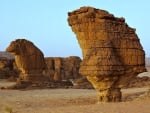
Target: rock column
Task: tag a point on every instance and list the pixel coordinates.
(29, 60)
(112, 53)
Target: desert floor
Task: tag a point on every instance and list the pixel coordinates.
(71, 101)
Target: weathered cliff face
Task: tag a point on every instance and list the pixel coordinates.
(112, 53)
(33, 66)
(29, 60)
(59, 69)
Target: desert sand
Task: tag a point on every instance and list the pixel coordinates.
(71, 101)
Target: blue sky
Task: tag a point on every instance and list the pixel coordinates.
(44, 22)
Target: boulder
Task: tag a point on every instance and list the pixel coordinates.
(112, 53)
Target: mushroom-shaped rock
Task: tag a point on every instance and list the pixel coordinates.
(112, 53)
(29, 60)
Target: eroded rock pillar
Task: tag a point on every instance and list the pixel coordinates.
(29, 60)
(112, 53)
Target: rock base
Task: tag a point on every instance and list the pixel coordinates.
(110, 95)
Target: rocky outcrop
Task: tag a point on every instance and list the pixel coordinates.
(139, 82)
(112, 53)
(29, 60)
(61, 69)
(7, 68)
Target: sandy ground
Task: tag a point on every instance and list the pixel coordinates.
(71, 101)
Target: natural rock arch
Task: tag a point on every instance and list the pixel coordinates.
(112, 53)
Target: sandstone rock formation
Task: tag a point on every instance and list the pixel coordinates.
(29, 60)
(59, 68)
(112, 53)
(6, 68)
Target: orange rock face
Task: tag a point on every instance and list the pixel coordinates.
(29, 60)
(112, 53)
(59, 68)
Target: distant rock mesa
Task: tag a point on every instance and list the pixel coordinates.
(112, 53)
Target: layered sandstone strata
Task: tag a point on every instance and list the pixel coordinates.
(59, 68)
(29, 60)
(112, 53)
